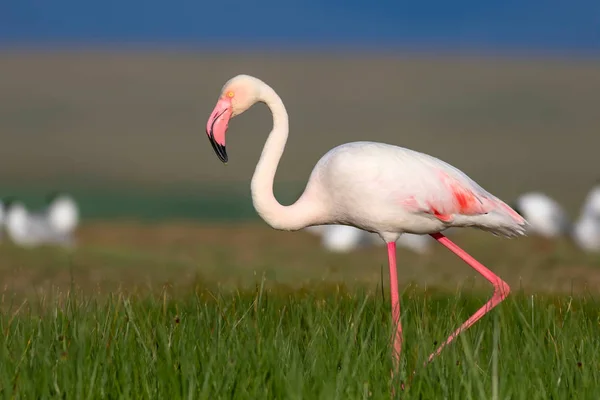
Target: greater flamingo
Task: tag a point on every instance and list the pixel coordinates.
(376, 187)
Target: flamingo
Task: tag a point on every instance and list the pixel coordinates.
(376, 187)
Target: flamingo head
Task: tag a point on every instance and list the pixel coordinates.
(237, 95)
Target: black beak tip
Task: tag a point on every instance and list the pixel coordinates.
(221, 152)
(224, 158)
(219, 149)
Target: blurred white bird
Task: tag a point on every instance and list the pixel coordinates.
(343, 239)
(54, 226)
(586, 229)
(62, 213)
(418, 243)
(591, 205)
(545, 216)
(25, 229)
(2, 215)
(549, 220)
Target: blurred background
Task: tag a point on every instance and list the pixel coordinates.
(113, 96)
(108, 101)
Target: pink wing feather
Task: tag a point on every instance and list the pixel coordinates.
(460, 195)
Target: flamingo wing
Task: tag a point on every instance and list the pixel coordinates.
(449, 192)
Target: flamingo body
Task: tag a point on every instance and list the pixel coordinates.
(391, 190)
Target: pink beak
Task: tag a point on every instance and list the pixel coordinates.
(216, 127)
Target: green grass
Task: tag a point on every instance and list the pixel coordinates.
(172, 311)
(315, 343)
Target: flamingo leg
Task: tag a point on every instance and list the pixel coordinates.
(395, 304)
(501, 289)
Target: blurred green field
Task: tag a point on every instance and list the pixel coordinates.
(145, 256)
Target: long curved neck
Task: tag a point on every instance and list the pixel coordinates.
(299, 214)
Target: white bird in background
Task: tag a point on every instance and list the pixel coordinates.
(586, 229)
(376, 187)
(591, 204)
(316, 229)
(54, 226)
(344, 238)
(2, 217)
(420, 244)
(546, 217)
(62, 213)
(25, 229)
(549, 220)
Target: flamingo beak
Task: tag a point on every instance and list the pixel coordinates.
(216, 127)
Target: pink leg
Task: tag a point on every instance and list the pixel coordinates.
(395, 303)
(501, 289)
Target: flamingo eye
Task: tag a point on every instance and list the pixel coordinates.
(230, 94)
